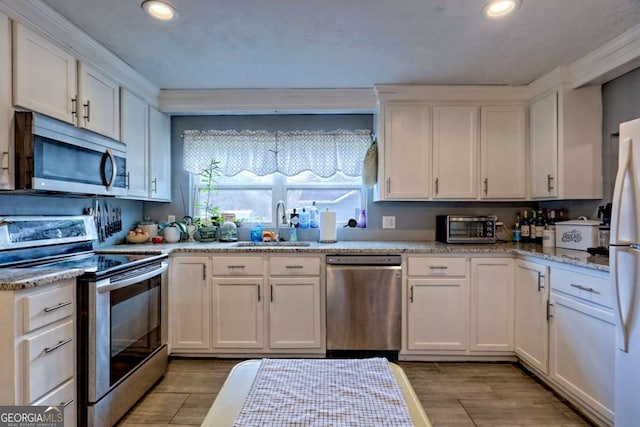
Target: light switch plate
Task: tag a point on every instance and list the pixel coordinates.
(388, 222)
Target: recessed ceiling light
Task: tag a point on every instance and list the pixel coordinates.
(159, 10)
(500, 8)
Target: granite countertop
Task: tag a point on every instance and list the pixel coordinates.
(15, 278)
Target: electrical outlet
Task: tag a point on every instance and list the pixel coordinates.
(388, 222)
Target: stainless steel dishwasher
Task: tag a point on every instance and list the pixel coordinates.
(363, 303)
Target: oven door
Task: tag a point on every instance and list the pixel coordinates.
(125, 326)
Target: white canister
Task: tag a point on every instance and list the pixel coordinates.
(548, 238)
(171, 234)
(149, 226)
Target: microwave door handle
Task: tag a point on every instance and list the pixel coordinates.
(112, 159)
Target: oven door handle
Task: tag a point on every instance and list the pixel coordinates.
(137, 279)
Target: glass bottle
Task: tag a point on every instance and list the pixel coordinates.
(313, 216)
(540, 226)
(362, 219)
(525, 227)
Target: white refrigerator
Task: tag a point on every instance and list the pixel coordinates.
(624, 256)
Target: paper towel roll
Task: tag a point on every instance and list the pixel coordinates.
(328, 229)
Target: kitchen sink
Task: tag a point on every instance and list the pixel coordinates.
(249, 244)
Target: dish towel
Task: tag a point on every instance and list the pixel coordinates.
(324, 392)
(370, 165)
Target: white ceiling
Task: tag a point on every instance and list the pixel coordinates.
(348, 43)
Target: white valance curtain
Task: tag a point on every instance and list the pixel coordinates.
(262, 152)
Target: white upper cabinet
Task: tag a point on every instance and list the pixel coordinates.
(6, 112)
(406, 144)
(44, 75)
(98, 102)
(544, 147)
(455, 147)
(565, 140)
(135, 135)
(503, 152)
(159, 155)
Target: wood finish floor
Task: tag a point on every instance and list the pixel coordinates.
(453, 394)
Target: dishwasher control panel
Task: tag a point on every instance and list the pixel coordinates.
(364, 259)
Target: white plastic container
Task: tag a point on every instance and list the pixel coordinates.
(578, 234)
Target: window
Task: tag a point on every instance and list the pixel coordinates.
(298, 176)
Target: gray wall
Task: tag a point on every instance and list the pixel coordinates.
(620, 103)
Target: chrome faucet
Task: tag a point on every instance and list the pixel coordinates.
(284, 217)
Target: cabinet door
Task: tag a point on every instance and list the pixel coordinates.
(455, 148)
(532, 296)
(502, 152)
(492, 304)
(159, 155)
(6, 113)
(44, 75)
(582, 343)
(99, 102)
(135, 135)
(437, 315)
(237, 310)
(189, 303)
(294, 312)
(543, 143)
(407, 152)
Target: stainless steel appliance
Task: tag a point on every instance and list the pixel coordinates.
(466, 229)
(55, 156)
(363, 303)
(121, 310)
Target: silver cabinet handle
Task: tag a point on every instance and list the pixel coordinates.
(438, 267)
(55, 307)
(271, 293)
(74, 105)
(154, 181)
(258, 285)
(437, 185)
(540, 282)
(486, 186)
(233, 267)
(549, 181)
(204, 271)
(584, 288)
(87, 109)
(388, 185)
(5, 155)
(67, 403)
(57, 346)
(294, 266)
(549, 315)
(411, 294)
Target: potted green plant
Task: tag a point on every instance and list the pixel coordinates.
(208, 223)
(172, 231)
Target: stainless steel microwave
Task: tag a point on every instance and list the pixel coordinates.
(466, 229)
(55, 156)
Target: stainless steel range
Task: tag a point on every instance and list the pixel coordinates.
(121, 333)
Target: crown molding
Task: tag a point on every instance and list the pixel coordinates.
(613, 59)
(267, 101)
(45, 20)
(453, 93)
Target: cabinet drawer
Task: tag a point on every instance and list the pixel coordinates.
(62, 396)
(237, 266)
(49, 360)
(591, 288)
(46, 307)
(294, 266)
(438, 267)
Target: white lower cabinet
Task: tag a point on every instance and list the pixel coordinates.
(582, 340)
(237, 305)
(437, 306)
(492, 305)
(38, 347)
(247, 304)
(189, 303)
(531, 326)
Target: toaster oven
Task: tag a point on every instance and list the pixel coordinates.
(466, 228)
